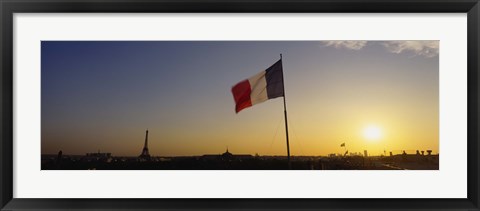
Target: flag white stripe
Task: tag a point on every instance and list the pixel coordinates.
(258, 86)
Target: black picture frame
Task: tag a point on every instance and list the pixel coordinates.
(9, 7)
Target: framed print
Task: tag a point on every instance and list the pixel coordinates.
(239, 105)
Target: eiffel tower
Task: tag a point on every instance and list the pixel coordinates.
(145, 155)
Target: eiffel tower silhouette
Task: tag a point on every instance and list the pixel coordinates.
(145, 154)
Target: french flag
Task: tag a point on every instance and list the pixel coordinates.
(265, 85)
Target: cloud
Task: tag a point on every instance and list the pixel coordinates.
(348, 44)
(426, 48)
(423, 48)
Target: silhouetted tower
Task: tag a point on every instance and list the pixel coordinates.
(59, 156)
(145, 153)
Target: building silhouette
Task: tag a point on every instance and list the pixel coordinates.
(99, 154)
(227, 156)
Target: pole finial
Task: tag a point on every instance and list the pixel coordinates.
(280, 56)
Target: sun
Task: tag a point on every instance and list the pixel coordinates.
(372, 133)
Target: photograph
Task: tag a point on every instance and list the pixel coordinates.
(240, 105)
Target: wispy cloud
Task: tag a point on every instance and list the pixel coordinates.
(418, 47)
(347, 44)
(427, 48)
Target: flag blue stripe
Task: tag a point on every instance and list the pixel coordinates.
(274, 78)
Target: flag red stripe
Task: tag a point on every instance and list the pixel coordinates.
(241, 94)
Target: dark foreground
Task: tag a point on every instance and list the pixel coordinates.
(395, 162)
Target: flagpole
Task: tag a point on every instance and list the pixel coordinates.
(285, 112)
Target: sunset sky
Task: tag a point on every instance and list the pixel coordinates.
(370, 95)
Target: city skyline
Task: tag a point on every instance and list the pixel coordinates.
(372, 95)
